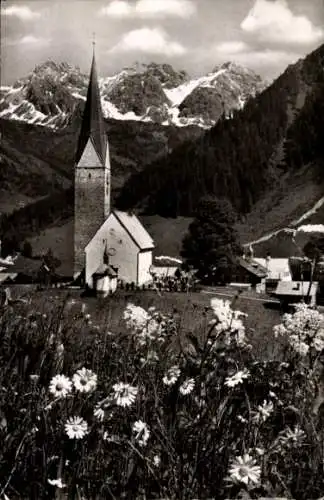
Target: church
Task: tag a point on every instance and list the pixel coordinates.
(106, 241)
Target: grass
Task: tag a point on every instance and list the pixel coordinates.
(197, 436)
(191, 310)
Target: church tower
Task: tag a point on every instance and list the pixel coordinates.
(91, 173)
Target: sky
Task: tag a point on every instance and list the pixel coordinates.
(194, 35)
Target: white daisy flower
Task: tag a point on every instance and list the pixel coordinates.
(244, 470)
(264, 411)
(156, 460)
(294, 435)
(99, 412)
(142, 432)
(171, 375)
(57, 482)
(125, 394)
(237, 378)
(60, 386)
(85, 380)
(187, 386)
(76, 427)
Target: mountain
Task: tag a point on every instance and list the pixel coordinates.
(256, 159)
(53, 94)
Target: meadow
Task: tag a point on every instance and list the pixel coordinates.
(146, 396)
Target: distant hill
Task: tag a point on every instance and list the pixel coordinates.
(266, 158)
(261, 150)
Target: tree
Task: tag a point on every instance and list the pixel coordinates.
(211, 244)
(27, 249)
(314, 250)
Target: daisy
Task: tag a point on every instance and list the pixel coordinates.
(85, 380)
(237, 378)
(244, 470)
(60, 386)
(142, 432)
(99, 412)
(294, 435)
(171, 375)
(57, 482)
(76, 427)
(125, 394)
(156, 460)
(187, 386)
(264, 411)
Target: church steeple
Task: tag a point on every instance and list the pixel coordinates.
(93, 127)
(92, 176)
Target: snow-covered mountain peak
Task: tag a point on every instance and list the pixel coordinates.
(54, 92)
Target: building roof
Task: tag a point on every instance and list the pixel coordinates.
(24, 265)
(135, 229)
(253, 267)
(278, 269)
(106, 269)
(296, 288)
(7, 277)
(166, 261)
(93, 126)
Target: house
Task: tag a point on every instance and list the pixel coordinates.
(21, 270)
(277, 270)
(164, 266)
(292, 292)
(97, 228)
(249, 271)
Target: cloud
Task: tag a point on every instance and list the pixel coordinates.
(29, 40)
(273, 22)
(176, 8)
(149, 9)
(149, 40)
(233, 47)
(252, 57)
(117, 8)
(21, 11)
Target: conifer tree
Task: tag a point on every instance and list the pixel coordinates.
(211, 244)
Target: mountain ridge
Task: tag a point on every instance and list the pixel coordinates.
(54, 92)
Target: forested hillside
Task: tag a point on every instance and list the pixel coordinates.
(280, 130)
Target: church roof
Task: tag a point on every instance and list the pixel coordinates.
(106, 269)
(135, 229)
(93, 126)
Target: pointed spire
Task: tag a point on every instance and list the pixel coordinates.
(93, 126)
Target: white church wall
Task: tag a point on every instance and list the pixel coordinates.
(113, 235)
(144, 263)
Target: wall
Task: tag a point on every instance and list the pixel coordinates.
(105, 286)
(114, 236)
(91, 201)
(144, 264)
